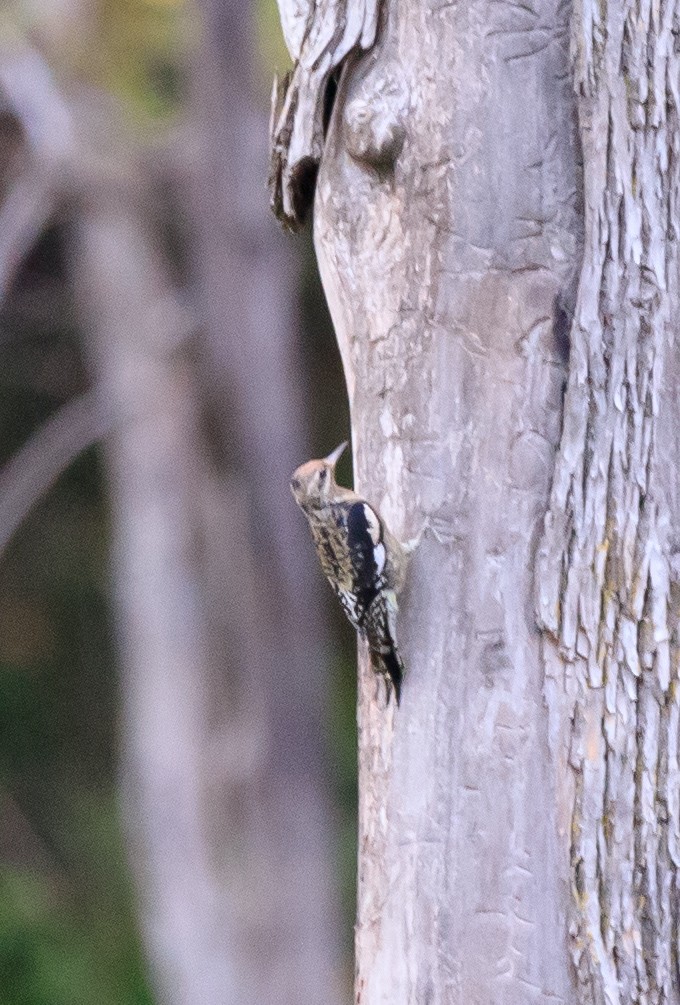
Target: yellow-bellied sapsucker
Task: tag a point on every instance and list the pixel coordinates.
(363, 562)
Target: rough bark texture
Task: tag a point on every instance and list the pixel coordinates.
(526, 799)
(447, 230)
(319, 36)
(608, 572)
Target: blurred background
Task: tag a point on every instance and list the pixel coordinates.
(177, 726)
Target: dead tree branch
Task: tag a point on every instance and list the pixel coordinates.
(30, 474)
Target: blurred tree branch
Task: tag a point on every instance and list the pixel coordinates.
(222, 640)
(251, 367)
(34, 177)
(29, 475)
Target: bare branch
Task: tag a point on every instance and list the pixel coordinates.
(35, 468)
(29, 93)
(23, 216)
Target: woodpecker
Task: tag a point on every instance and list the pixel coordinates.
(362, 561)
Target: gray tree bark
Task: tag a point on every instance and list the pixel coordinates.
(608, 567)
(518, 834)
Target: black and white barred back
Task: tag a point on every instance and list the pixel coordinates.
(351, 548)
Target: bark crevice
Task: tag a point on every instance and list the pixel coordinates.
(319, 37)
(604, 576)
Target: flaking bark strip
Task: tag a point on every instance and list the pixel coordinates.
(603, 575)
(319, 34)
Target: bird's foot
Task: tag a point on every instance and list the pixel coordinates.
(410, 545)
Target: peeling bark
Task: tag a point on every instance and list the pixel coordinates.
(319, 36)
(607, 579)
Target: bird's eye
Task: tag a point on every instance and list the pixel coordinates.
(323, 474)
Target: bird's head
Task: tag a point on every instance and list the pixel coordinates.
(313, 483)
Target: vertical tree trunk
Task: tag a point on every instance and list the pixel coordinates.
(519, 815)
(252, 370)
(447, 230)
(608, 570)
(158, 477)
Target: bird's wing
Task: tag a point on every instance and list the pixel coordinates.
(366, 546)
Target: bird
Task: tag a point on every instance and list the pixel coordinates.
(362, 560)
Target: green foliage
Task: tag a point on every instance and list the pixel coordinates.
(68, 938)
(67, 928)
(141, 53)
(273, 55)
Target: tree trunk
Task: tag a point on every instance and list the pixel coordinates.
(608, 569)
(443, 261)
(223, 645)
(252, 366)
(519, 812)
(226, 791)
(158, 474)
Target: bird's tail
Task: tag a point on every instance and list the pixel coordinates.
(387, 662)
(380, 630)
(392, 667)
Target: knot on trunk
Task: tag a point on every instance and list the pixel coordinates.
(375, 123)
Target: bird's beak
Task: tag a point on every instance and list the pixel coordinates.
(335, 455)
